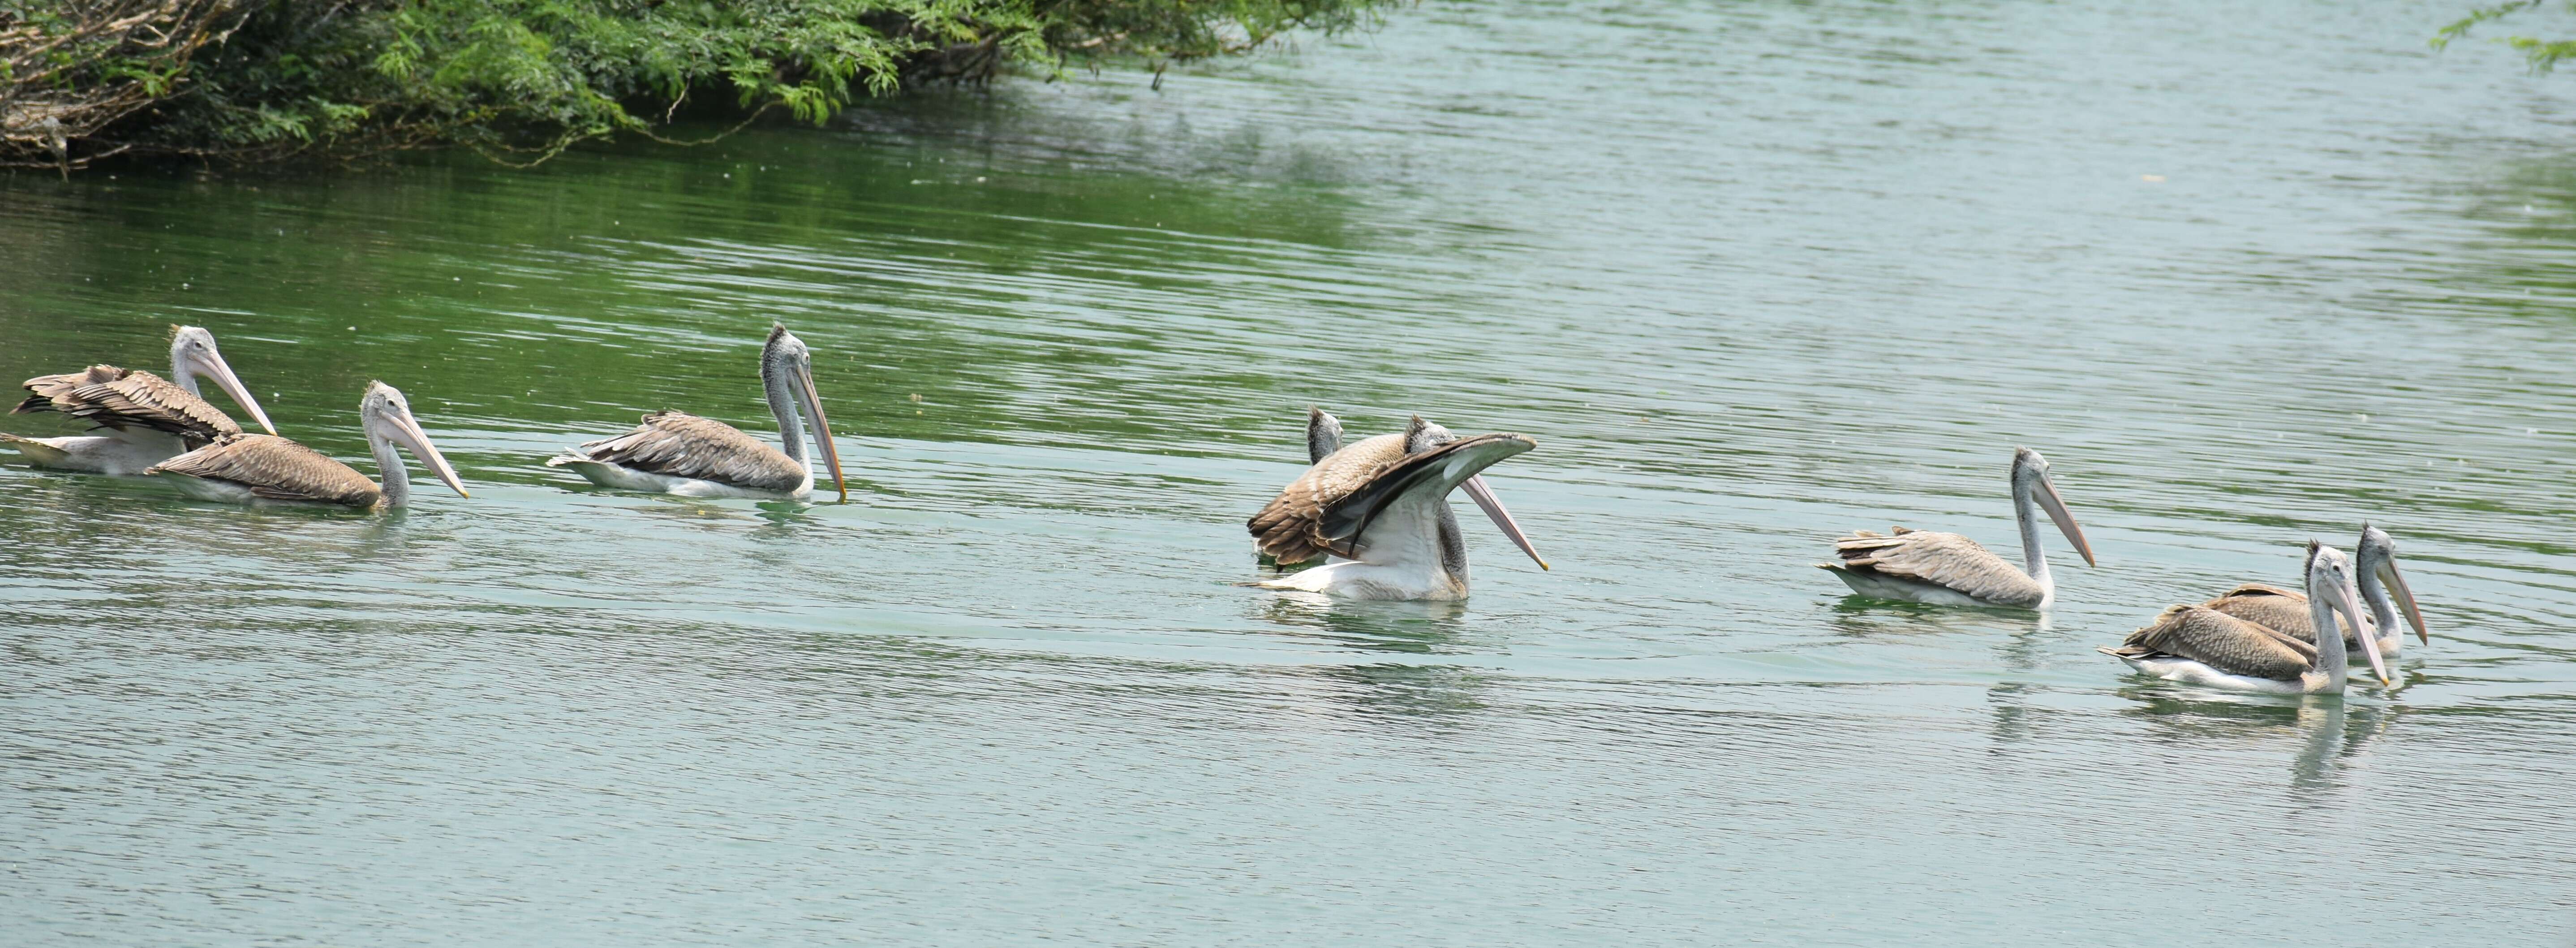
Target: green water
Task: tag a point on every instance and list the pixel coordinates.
(1752, 275)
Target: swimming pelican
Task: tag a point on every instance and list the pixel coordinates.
(2202, 646)
(675, 453)
(1947, 569)
(250, 468)
(1381, 506)
(2284, 611)
(147, 419)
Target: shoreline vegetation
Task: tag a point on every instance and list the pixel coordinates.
(244, 82)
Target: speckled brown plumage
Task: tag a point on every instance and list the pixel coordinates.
(111, 397)
(678, 444)
(1947, 560)
(1285, 528)
(2220, 641)
(275, 468)
(2277, 609)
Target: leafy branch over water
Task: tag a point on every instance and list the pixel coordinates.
(2542, 54)
(520, 80)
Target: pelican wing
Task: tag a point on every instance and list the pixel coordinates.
(2221, 641)
(1329, 508)
(684, 445)
(1282, 529)
(111, 397)
(1947, 560)
(275, 468)
(2274, 608)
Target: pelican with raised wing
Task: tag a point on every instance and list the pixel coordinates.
(683, 454)
(2286, 612)
(1380, 508)
(257, 468)
(1951, 570)
(147, 419)
(2202, 646)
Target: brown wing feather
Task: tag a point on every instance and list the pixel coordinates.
(46, 388)
(684, 445)
(111, 397)
(1290, 527)
(275, 468)
(1947, 560)
(2223, 642)
(2274, 608)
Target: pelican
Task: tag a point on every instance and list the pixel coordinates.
(1381, 507)
(147, 419)
(1947, 569)
(2202, 646)
(251, 468)
(2286, 612)
(683, 454)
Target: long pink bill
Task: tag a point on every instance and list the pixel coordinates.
(2056, 507)
(1484, 497)
(2369, 643)
(407, 430)
(2406, 601)
(822, 430)
(232, 385)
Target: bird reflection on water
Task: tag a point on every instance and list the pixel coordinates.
(1391, 690)
(708, 514)
(786, 514)
(2332, 731)
(1421, 627)
(2337, 733)
(1859, 617)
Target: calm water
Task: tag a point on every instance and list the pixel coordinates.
(1753, 275)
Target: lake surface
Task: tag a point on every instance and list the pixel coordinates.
(1752, 275)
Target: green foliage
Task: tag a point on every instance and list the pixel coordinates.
(519, 80)
(70, 68)
(2542, 54)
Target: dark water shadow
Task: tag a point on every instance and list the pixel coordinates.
(1862, 617)
(1406, 694)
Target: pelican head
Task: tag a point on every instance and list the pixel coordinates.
(2030, 479)
(787, 368)
(2376, 556)
(193, 356)
(1323, 435)
(387, 417)
(2330, 584)
(1422, 436)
